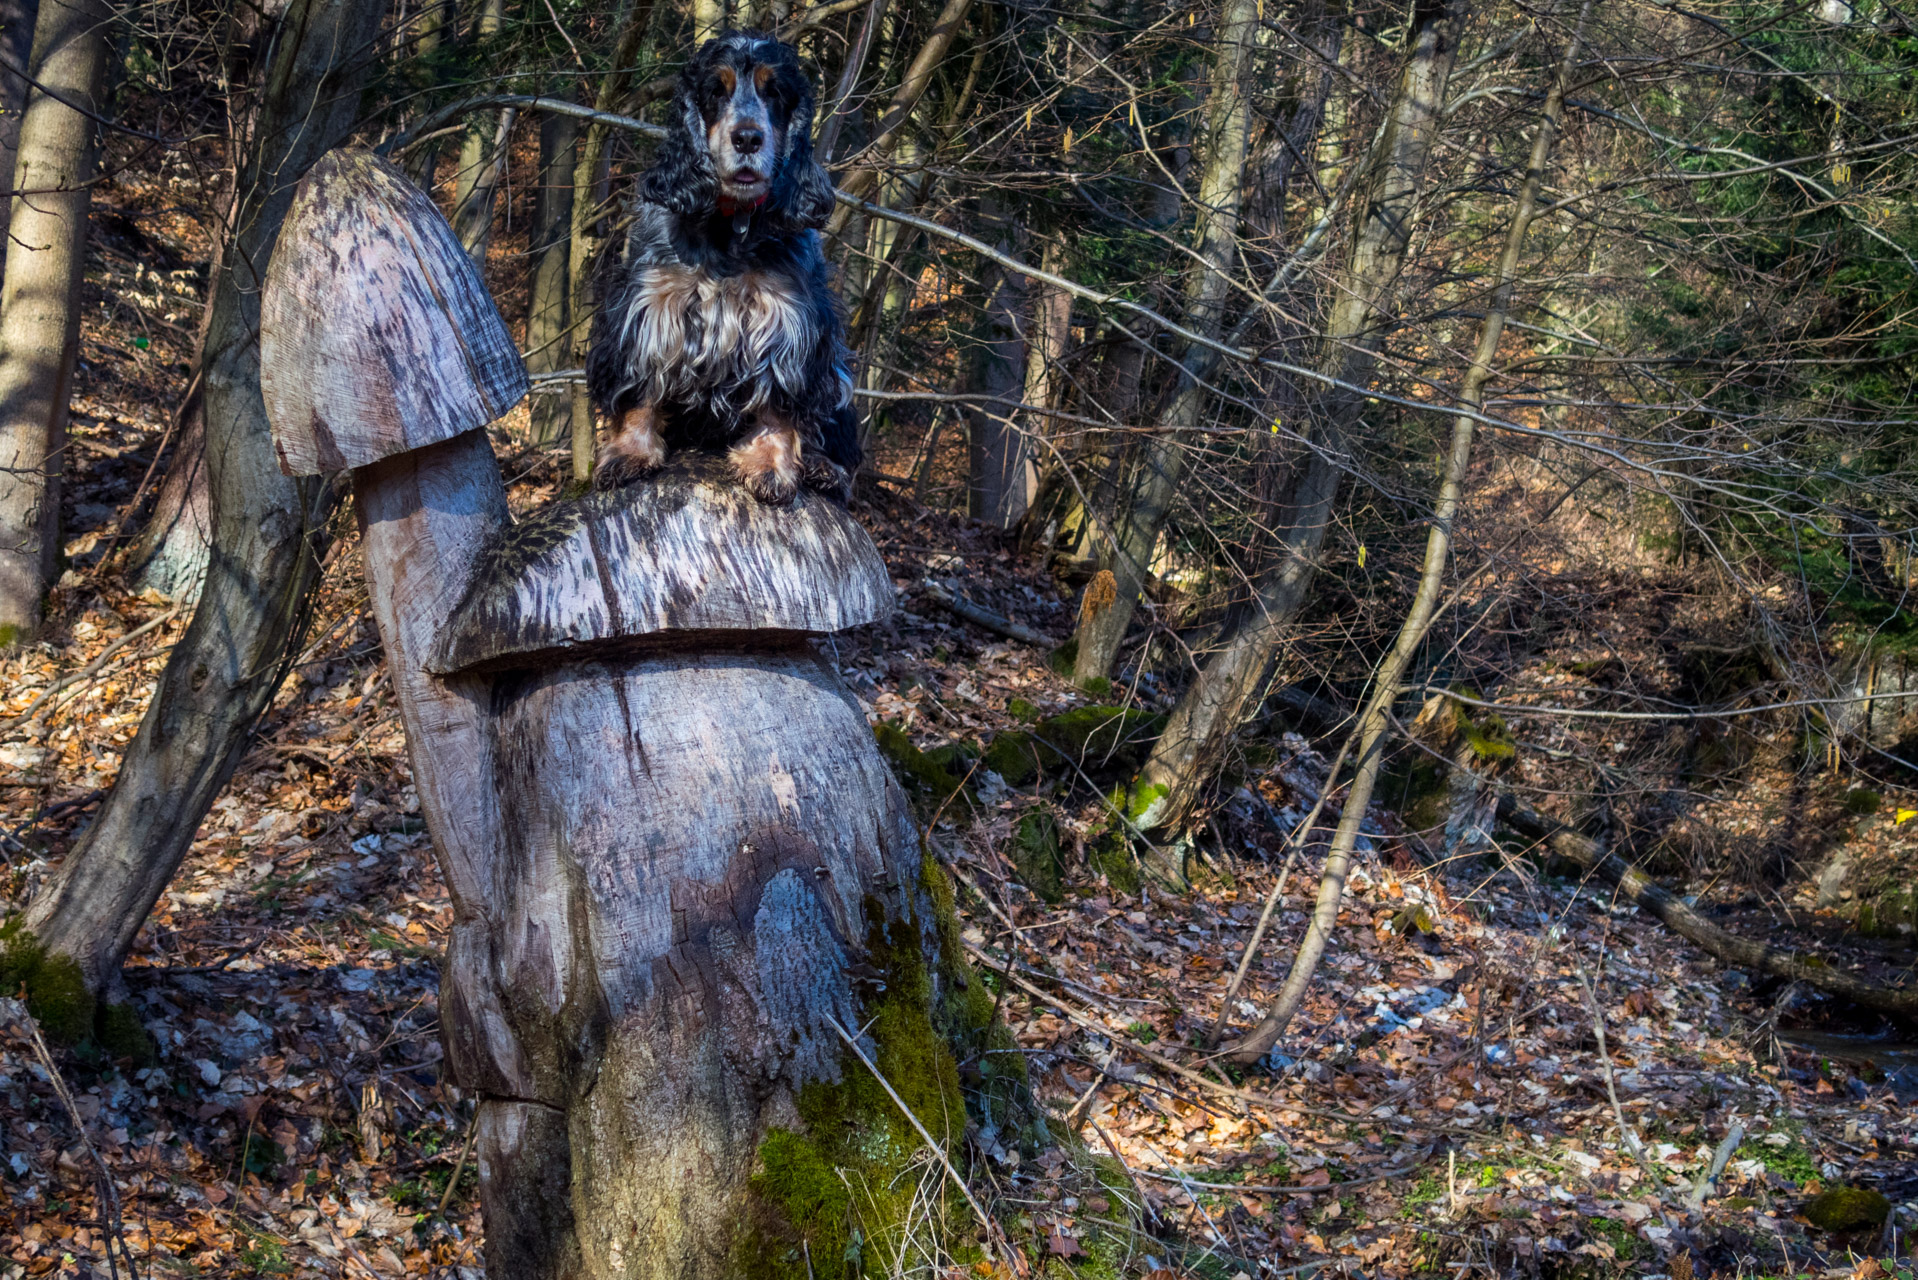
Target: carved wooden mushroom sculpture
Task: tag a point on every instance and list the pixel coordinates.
(696, 949)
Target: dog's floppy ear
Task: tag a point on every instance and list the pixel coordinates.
(802, 191)
(681, 176)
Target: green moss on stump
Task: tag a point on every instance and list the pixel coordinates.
(55, 991)
(1846, 1209)
(833, 1196)
(1099, 739)
(56, 994)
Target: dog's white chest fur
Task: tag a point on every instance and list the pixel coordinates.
(688, 333)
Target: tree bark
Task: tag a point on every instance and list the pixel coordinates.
(1154, 479)
(170, 555)
(224, 670)
(482, 155)
(583, 242)
(16, 51)
(546, 329)
(1227, 686)
(40, 297)
(1375, 720)
(680, 866)
(1001, 470)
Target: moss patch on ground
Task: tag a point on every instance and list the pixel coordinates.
(1846, 1209)
(927, 776)
(1036, 851)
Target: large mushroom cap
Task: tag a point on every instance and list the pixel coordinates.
(377, 335)
(686, 556)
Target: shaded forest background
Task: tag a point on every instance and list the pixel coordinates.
(1368, 485)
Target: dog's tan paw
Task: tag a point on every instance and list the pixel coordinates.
(768, 464)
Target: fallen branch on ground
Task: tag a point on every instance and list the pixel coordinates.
(957, 604)
(1656, 900)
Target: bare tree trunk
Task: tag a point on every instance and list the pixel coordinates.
(709, 19)
(1154, 480)
(1001, 468)
(224, 670)
(1375, 719)
(16, 51)
(170, 555)
(583, 242)
(546, 346)
(1227, 686)
(918, 78)
(40, 297)
(482, 156)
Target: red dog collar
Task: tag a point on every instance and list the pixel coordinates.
(728, 208)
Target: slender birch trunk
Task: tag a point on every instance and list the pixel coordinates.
(1228, 685)
(482, 157)
(40, 296)
(224, 670)
(1375, 719)
(546, 344)
(1154, 480)
(583, 241)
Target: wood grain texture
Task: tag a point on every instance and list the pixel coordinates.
(686, 551)
(365, 350)
(697, 849)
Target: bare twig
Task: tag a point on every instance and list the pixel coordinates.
(16, 1011)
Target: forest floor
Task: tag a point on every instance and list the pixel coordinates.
(1497, 1070)
(1445, 1102)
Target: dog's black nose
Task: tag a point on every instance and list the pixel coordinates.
(749, 140)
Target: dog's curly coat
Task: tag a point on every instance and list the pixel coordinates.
(720, 328)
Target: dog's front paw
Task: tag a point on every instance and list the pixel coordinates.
(772, 486)
(616, 467)
(768, 464)
(823, 475)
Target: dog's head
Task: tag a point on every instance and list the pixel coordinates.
(742, 136)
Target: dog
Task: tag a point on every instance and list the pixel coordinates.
(720, 329)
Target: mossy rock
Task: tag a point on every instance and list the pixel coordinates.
(1103, 736)
(927, 776)
(1035, 851)
(1890, 913)
(1101, 740)
(835, 1195)
(1846, 1209)
(56, 995)
(1023, 711)
(1416, 786)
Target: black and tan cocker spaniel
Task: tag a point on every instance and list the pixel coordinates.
(720, 329)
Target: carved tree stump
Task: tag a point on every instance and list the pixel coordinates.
(679, 864)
